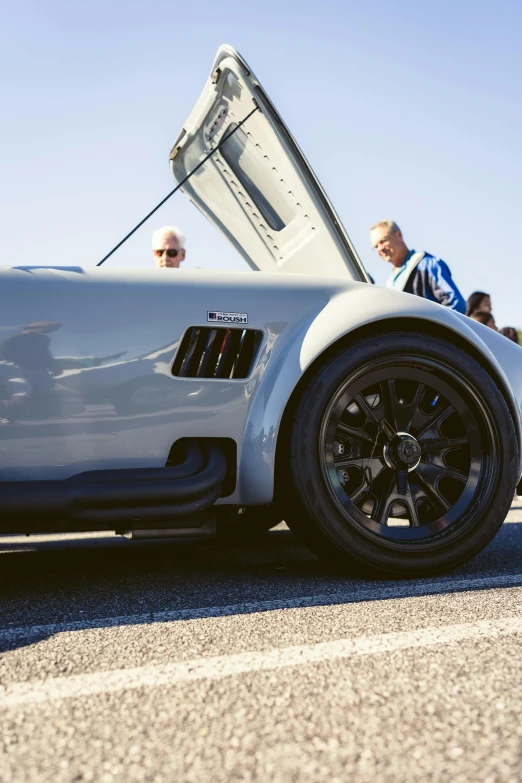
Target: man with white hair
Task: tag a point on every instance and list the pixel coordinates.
(168, 247)
(415, 272)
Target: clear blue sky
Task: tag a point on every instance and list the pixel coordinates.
(407, 110)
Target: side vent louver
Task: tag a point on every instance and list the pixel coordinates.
(216, 353)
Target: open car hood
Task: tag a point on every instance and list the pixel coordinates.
(258, 188)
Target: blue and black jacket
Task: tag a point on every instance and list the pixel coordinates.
(430, 278)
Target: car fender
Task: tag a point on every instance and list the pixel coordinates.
(346, 311)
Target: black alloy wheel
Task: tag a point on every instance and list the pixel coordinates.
(402, 442)
(403, 456)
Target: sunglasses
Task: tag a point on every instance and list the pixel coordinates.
(170, 253)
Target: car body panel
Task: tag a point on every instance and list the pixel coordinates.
(258, 189)
(145, 315)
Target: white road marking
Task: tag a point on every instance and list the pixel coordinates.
(81, 685)
(402, 590)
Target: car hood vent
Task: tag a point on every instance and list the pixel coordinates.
(206, 352)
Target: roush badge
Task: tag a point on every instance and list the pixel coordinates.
(227, 318)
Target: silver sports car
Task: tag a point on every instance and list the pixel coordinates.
(385, 429)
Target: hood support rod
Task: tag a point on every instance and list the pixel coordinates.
(114, 249)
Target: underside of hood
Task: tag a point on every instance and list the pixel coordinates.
(258, 188)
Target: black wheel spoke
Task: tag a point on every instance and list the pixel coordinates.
(385, 497)
(409, 414)
(441, 504)
(402, 481)
(420, 494)
(352, 432)
(373, 464)
(362, 490)
(370, 468)
(432, 425)
(382, 423)
(410, 502)
(439, 444)
(390, 403)
(397, 490)
(432, 473)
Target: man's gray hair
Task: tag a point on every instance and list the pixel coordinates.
(169, 231)
(390, 225)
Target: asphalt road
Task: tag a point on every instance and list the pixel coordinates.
(196, 661)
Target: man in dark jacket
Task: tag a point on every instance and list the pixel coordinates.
(415, 272)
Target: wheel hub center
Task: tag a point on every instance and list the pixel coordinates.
(403, 452)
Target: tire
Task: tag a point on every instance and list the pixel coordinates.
(401, 457)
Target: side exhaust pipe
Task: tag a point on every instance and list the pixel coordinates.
(100, 499)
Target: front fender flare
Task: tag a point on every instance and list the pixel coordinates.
(347, 312)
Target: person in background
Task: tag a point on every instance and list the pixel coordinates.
(168, 247)
(478, 300)
(511, 333)
(484, 317)
(415, 272)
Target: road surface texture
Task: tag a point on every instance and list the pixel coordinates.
(201, 661)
